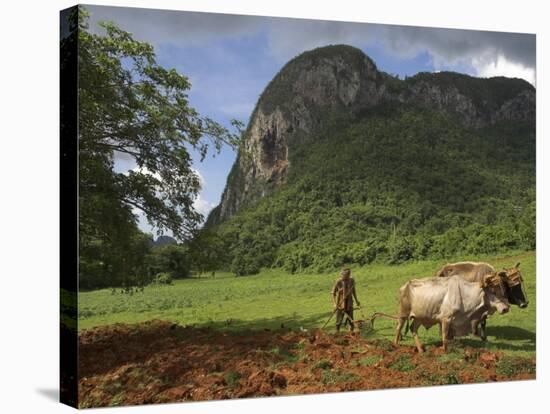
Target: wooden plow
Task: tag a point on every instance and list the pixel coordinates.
(365, 325)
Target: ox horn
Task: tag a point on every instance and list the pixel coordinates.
(517, 265)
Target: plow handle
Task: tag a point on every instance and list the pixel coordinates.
(382, 315)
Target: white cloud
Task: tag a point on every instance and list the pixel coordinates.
(448, 48)
(174, 27)
(200, 204)
(203, 206)
(503, 67)
(290, 37)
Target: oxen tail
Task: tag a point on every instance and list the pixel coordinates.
(407, 326)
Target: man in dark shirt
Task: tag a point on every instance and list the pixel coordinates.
(343, 294)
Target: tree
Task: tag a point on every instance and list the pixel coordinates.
(104, 263)
(128, 105)
(208, 252)
(172, 259)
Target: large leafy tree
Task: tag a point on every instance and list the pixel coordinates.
(130, 106)
(173, 259)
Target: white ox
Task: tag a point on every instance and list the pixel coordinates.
(452, 302)
(475, 271)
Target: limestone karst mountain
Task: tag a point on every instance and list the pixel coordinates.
(342, 163)
(340, 80)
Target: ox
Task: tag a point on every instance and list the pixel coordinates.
(452, 302)
(474, 272)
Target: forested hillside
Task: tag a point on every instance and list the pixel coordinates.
(393, 186)
(428, 167)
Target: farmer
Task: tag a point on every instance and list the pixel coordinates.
(343, 294)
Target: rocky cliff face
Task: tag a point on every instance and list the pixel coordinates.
(476, 102)
(341, 80)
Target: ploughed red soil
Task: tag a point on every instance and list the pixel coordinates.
(157, 362)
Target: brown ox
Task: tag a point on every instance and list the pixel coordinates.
(474, 272)
(452, 302)
(470, 271)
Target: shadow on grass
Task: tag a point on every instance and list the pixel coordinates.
(498, 335)
(497, 346)
(511, 333)
(501, 335)
(286, 322)
(499, 339)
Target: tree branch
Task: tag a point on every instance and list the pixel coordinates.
(163, 222)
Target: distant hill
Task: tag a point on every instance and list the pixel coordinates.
(343, 164)
(163, 241)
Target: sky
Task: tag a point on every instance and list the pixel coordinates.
(230, 59)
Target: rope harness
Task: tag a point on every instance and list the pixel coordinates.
(513, 277)
(495, 283)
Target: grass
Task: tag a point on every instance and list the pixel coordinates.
(402, 364)
(337, 376)
(232, 378)
(285, 356)
(508, 366)
(370, 361)
(275, 299)
(452, 355)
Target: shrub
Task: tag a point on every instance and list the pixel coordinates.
(164, 278)
(244, 265)
(174, 259)
(400, 251)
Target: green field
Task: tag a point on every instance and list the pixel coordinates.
(274, 299)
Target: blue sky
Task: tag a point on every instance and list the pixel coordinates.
(230, 59)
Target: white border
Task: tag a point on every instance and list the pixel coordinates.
(29, 204)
